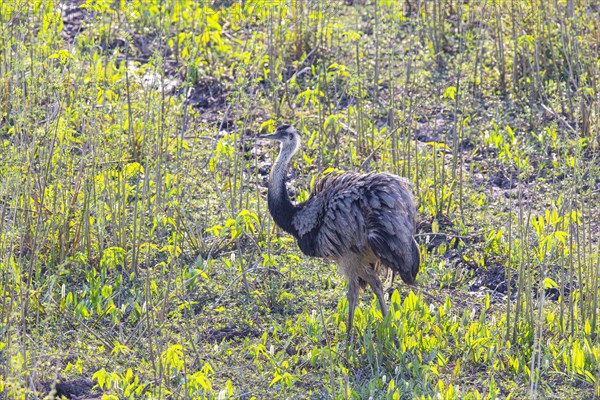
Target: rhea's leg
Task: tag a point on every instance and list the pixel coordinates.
(353, 289)
(377, 287)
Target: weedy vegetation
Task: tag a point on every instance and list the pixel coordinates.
(137, 257)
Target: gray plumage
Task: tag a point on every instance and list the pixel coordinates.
(361, 221)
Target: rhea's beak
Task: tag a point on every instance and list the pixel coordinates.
(271, 136)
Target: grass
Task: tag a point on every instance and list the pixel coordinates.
(136, 252)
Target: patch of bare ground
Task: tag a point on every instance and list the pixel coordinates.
(227, 333)
(75, 389)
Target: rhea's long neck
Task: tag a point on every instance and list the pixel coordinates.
(280, 205)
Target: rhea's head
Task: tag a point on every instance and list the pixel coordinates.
(285, 134)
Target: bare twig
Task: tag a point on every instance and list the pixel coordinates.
(562, 120)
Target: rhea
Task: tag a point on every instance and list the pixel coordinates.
(364, 222)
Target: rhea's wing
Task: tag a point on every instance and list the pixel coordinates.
(391, 225)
